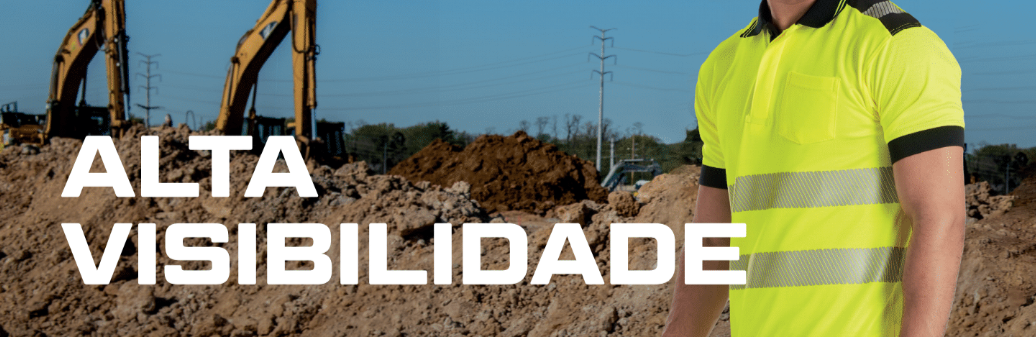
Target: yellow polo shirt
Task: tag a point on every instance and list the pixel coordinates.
(802, 128)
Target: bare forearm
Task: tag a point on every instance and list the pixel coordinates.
(930, 277)
(695, 308)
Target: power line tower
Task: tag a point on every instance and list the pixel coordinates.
(601, 73)
(147, 88)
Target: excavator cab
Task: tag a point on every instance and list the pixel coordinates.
(261, 128)
(332, 136)
(93, 121)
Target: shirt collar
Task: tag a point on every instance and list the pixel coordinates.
(818, 15)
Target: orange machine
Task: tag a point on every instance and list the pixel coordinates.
(102, 27)
(253, 49)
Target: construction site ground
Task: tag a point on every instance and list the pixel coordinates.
(42, 294)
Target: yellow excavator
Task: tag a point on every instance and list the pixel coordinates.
(316, 140)
(102, 27)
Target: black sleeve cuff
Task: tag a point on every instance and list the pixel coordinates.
(713, 177)
(922, 141)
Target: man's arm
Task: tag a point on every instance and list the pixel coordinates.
(932, 195)
(695, 308)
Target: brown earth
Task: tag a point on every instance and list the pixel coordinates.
(981, 204)
(42, 292)
(996, 288)
(692, 170)
(515, 172)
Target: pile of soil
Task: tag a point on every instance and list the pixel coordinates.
(516, 172)
(1025, 194)
(42, 293)
(981, 204)
(995, 289)
(692, 170)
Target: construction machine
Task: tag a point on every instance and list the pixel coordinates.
(19, 127)
(617, 180)
(102, 27)
(253, 49)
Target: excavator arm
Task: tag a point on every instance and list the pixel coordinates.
(255, 47)
(102, 27)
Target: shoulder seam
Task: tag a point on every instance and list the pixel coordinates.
(894, 19)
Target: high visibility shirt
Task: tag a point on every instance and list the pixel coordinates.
(802, 127)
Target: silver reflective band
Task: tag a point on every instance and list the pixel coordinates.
(821, 267)
(881, 9)
(813, 189)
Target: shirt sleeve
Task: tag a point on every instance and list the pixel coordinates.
(915, 83)
(713, 170)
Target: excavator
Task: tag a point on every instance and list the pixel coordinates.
(102, 27)
(321, 140)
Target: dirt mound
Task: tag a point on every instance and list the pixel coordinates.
(1025, 194)
(42, 292)
(982, 205)
(687, 170)
(516, 172)
(995, 289)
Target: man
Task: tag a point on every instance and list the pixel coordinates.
(834, 130)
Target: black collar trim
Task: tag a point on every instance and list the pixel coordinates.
(818, 15)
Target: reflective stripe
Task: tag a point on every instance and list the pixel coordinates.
(813, 189)
(821, 266)
(881, 9)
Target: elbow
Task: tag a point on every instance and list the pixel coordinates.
(946, 226)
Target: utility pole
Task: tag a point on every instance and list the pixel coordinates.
(601, 73)
(384, 159)
(147, 88)
(633, 152)
(612, 156)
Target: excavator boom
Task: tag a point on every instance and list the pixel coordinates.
(253, 49)
(102, 27)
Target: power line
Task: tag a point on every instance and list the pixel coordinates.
(995, 44)
(469, 100)
(997, 101)
(453, 87)
(662, 53)
(440, 73)
(997, 115)
(462, 86)
(195, 74)
(1025, 87)
(192, 100)
(653, 70)
(1030, 127)
(1006, 72)
(650, 87)
(463, 70)
(997, 58)
(519, 94)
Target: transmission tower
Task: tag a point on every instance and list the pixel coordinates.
(147, 88)
(601, 73)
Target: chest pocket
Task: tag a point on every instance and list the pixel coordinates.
(808, 109)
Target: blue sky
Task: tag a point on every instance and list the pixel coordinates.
(487, 65)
